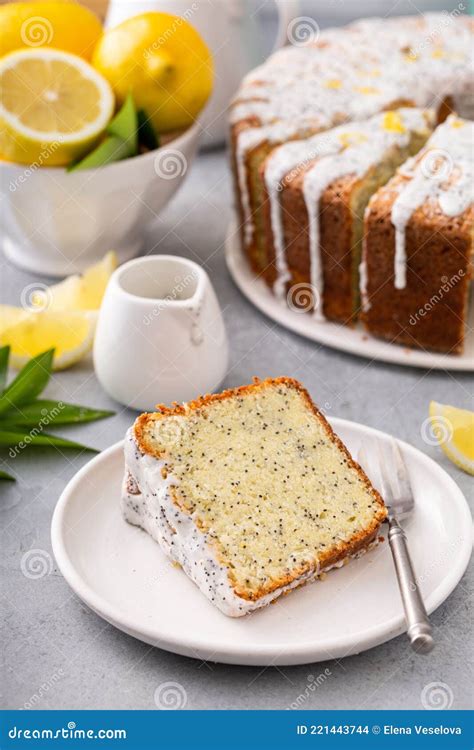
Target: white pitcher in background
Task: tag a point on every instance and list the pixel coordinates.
(160, 335)
(232, 31)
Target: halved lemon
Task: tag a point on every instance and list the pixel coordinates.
(80, 292)
(454, 431)
(71, 334)
(53, 106)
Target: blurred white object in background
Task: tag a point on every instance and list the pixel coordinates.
(232, 30)
(160, 335)
(340, 12)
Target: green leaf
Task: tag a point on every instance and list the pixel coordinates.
(121, 143)
(29, 382)
(49, 412)
(4, 356)
(21, 440)
(110, 150)
(125, 125)
(147, 134)
(7, 477)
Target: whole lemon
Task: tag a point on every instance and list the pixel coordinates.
(163, 62)
(60, 24)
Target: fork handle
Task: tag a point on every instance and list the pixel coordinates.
(418, 625)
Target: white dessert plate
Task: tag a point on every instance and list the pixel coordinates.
(122, 574)
(352, 340)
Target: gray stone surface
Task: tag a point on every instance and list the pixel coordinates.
(55, 648)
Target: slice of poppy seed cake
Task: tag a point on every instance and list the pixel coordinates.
(250, 491)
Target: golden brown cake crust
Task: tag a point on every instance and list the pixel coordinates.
(249, 249)
(430, 312)
(358, 542)
(336, 244)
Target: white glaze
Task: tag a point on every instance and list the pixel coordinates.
(350, 149)
(363, 282)
(281, 162)
(248, 140)
(147, 502)
(453, 190)
(364, 270)
(180, 539)
(353, 73)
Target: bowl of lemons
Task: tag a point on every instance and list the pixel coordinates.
(97, 129)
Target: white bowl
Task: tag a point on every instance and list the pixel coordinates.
(54, 222)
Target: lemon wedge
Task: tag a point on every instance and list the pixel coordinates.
(79, 292)
(453, 429)
(70, 333)
(60, 317)
(53, 107)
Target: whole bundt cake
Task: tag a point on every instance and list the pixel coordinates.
(320, 128)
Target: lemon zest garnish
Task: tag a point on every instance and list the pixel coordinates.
(351, 138)
(333, 83)
(367, 90)
(393, 122)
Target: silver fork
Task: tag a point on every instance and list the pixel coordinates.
(386, 468)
